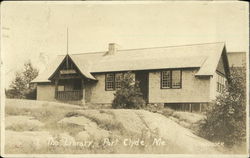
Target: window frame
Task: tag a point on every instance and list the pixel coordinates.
(106, 89)
(171, 79)
(118, 82)
(114, 80)
(219, 86)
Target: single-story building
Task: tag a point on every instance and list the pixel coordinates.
(175, 76)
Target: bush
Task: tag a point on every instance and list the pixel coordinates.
(226, 118)
(129, 96)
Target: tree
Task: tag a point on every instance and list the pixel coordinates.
(129, 96)
(20, 86)
(226, 118)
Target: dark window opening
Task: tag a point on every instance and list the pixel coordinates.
(171, 79)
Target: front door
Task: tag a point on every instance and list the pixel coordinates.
(142, 77)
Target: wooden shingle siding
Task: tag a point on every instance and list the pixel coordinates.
(46, 92)
(220, 66)
(194, 89)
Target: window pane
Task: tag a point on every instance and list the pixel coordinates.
(118, 78)
(110, 81)
(221, 82)
(218, 86)
(110, 77)
(176, 78)
(60, 88)
(166, 79)
(218, 82)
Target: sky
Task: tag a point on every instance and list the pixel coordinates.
(36, 31)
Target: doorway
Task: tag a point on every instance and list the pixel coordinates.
(142, 77)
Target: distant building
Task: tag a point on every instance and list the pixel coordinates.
(236, 59)
(185, 77)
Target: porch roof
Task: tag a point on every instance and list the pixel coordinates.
(203, 56)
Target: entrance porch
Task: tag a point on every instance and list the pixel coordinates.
(69, 89)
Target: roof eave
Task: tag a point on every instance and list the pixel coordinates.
(203, 75)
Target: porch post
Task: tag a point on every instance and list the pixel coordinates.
(56, 88)
(83, 92)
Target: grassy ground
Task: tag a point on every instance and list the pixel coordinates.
(48, 128)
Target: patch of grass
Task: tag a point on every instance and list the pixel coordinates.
(10, 110)
(71, 129)
(97, 106)
(167, 112)
(49, 114)
(107, 124)
(21, 128)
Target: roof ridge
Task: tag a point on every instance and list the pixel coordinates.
(170, 46)
(88, 53)
(184, 45)
(236, 52)
(81, 53)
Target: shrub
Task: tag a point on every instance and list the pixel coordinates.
(226, 119)
(129, 96)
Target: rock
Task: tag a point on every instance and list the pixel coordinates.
(130, 120)
(79, 120)
(179, 138)
(82, 136)
(65, 137)
(185, 124)
(91, 129)
(97, 133)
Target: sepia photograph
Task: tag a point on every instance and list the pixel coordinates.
(124, 78)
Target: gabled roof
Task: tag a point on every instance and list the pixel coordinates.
(202, 56)
(81, 68)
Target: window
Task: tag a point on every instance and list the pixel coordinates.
(166, 79)
(118, 78)
(176, 79)
(221, 82)
(110, 79)
(60, 88)
(171, 79)
(113, 81)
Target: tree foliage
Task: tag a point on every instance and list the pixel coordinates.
(129, 96)
(226, 118)
(20, 87)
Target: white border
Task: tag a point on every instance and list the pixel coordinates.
(2, 85)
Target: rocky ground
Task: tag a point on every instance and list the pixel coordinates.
(39, 127)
